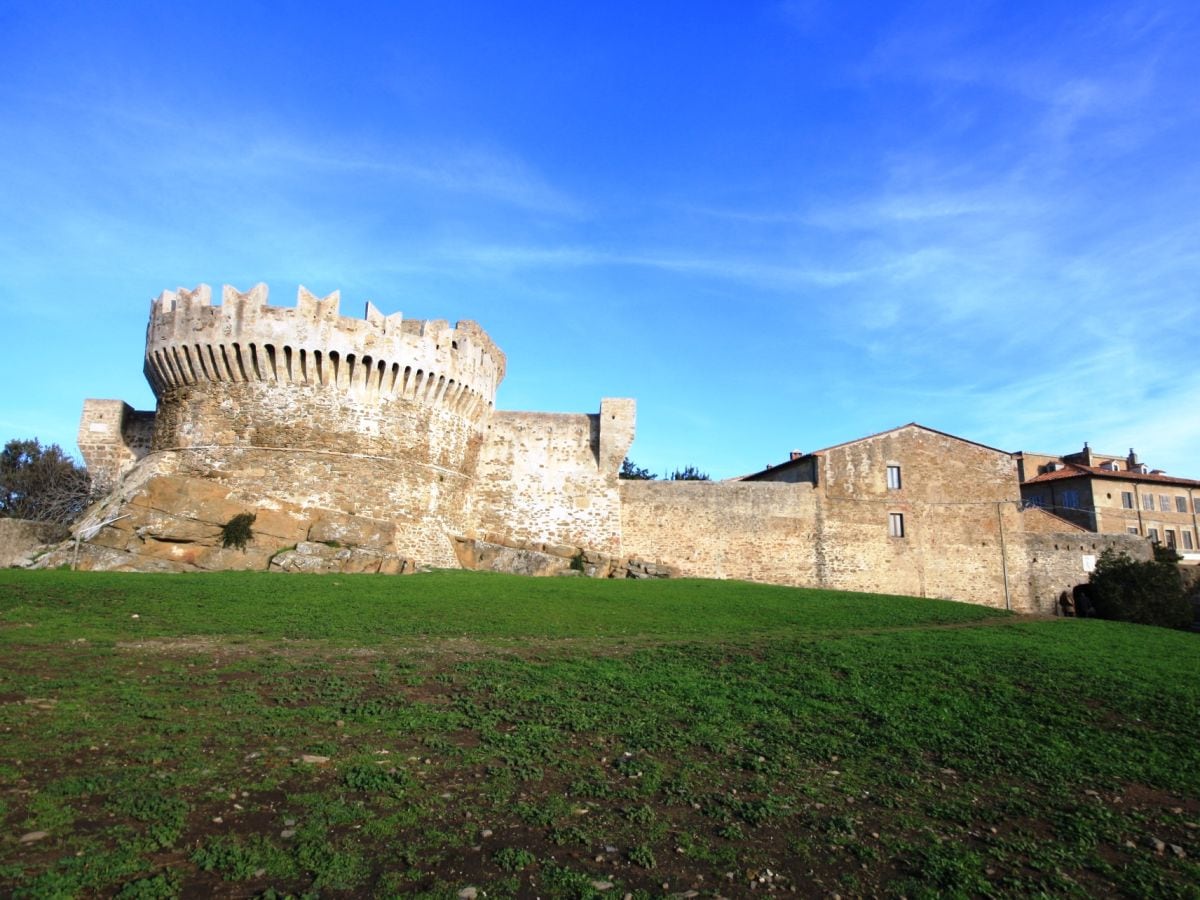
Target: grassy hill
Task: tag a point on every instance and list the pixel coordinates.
(249, 734)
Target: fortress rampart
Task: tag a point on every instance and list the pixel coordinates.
(380, 418)
(552, 477)
(378, 358)
(248, 374)
(373, 444)
(305, 406)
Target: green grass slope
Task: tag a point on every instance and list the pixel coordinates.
(367, 609)
(258, 735)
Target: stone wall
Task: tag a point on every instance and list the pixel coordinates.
(965, 535)
(552, 477)
(22, 540)
(1053, 563)
(112, 437)
(754, 531)
(1038, 521)
(372, 445)
(791, 534)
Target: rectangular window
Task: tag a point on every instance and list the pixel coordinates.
(893, 478)
(896, 524)
(1035, 500)
(1171, 538)
(1127, 499)
(1069, 499)
(1148, 502)
(1132, 529)
(1164, 503)
(1181, 504)
(1152, 534)
(1187, 540)
(1196, 504)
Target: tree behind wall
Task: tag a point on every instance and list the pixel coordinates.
(41, 483)
(631, 471)
(689, 473)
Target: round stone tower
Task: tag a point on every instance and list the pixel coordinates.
(376, 417)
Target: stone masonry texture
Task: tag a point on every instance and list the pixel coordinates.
(373, 445)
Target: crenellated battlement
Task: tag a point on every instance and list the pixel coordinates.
(372, 439)
(189, 341)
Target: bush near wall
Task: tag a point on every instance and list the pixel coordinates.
(1147, 592)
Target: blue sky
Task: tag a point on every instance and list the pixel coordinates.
(777, 225)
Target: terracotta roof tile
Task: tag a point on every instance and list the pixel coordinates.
(1074, 470)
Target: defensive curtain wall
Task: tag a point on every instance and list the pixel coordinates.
(373, 445)
(823, 520)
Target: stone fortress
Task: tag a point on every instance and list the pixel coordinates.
(374, 445)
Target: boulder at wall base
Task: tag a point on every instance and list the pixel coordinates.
(95, 558)
(22, 541)
(176, 523)
(353, 531)
(177, 510)
(315, 557)
(495, 553)
(485, 556)
(640, 568)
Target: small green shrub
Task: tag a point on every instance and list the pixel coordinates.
(165, 885)
(1146, 592)
(643, 856)
(563, 881)
(372, 779)
(241, 860)
(512, 859)
(165, 816)
(236, 532)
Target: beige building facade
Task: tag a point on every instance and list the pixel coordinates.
(1116, 495)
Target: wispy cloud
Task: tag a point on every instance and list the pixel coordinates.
(181, 149)
(979, 215)
(1057, 408)
(762, 272)
(477, 171)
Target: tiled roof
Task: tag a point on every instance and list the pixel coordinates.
(1074, 470)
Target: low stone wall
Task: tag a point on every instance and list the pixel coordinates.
(22, 540)
(1054, 563)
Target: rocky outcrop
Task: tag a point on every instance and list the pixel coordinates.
(176, 523)
(22, 542)
(317, 557)
(494, 553)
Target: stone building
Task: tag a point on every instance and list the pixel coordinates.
(911, 510)
(1117, 495)
(373, 445)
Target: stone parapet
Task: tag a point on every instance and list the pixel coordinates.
(189, 341)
